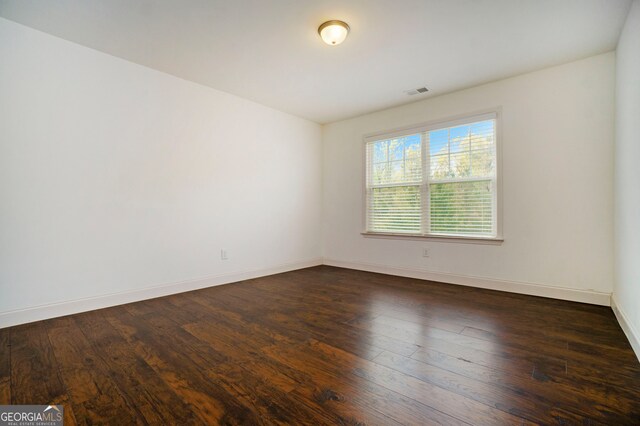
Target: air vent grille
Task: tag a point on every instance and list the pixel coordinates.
(417, 91)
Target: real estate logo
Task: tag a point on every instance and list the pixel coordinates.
(31, 415)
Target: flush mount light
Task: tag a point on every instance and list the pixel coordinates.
(333, 32)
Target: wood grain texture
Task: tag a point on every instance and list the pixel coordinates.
(327, 345)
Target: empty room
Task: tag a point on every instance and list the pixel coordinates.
(319, 212)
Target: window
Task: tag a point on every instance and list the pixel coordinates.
(435, 180)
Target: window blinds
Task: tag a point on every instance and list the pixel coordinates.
(438, 180)
(394, 182)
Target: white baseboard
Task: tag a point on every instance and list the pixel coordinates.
(37, 313)
(42, 312)
(627, 326)
(584, 296)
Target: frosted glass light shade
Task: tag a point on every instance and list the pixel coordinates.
(333, 32)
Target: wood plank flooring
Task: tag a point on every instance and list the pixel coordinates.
(327, 345)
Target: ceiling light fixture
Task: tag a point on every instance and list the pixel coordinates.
(333, 32)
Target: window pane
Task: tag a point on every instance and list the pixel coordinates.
(395, 161)
(483, 162)
(396, 149)
(380, 152)
(483, 128)
(381, 173)
(459, 138)
(439, 142)
(461, 208)
(460, 152)
(440, 166)
(460, 165)
(395, 209)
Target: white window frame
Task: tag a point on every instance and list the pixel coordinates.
(493, 113)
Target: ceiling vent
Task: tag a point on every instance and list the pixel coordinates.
(416, 91)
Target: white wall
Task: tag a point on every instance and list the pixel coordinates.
(558, 129)
(116, 178)
(627, 178)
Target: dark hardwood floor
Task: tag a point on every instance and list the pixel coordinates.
(329, 346)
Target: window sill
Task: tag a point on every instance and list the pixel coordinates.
(441, 238)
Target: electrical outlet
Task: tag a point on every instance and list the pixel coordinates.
(224, 255)
(426, 252)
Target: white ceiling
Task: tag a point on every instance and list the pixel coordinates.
(269, 51)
